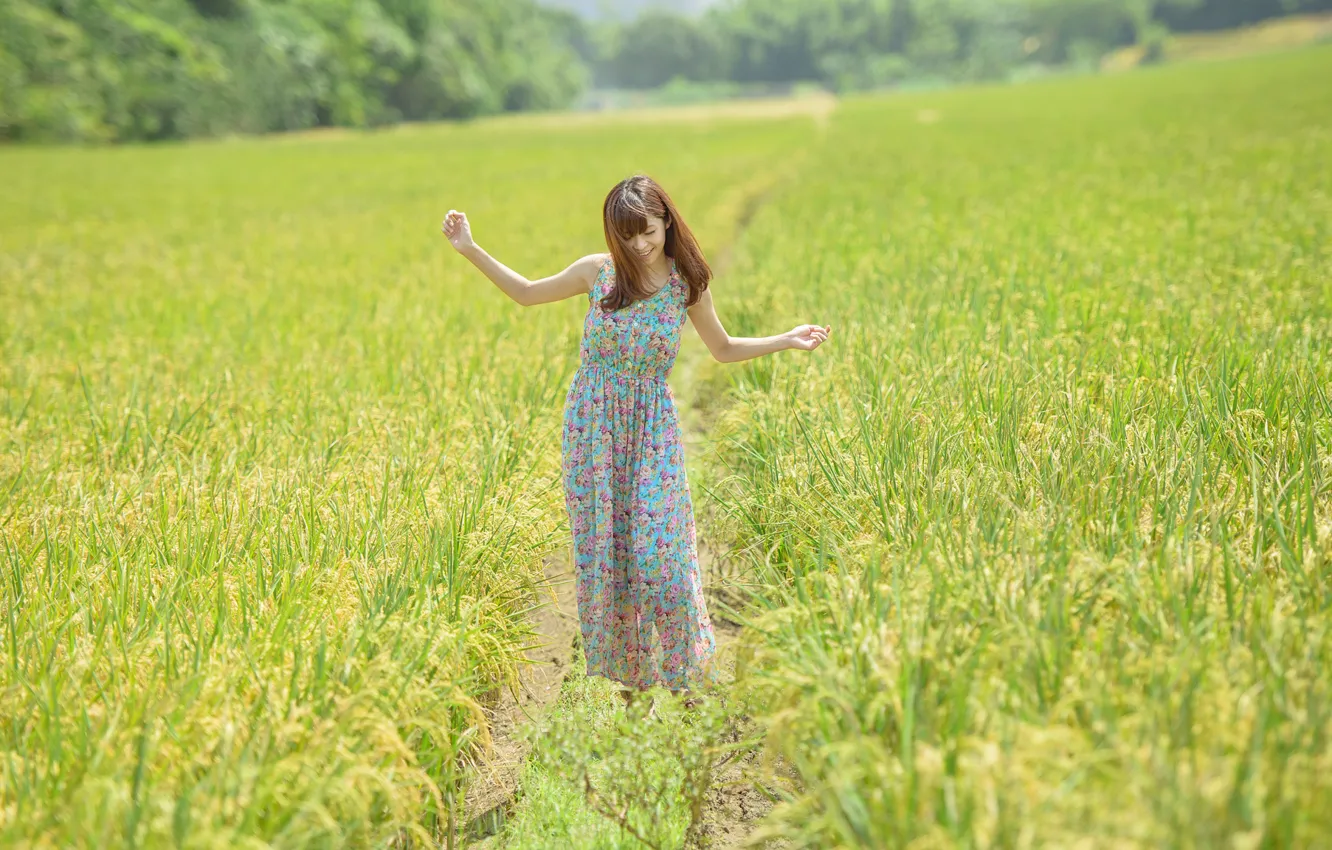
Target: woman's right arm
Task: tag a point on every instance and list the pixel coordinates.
(574, 280)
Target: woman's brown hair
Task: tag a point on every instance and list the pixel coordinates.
(624, 215)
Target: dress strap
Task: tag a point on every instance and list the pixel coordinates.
(603, 273)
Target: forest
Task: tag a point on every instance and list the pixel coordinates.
(121, 70)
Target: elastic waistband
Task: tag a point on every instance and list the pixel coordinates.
(603, 369)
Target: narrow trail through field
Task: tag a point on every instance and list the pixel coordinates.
(490, 794)
(733, 803)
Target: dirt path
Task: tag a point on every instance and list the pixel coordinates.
(734, 804)
(490, 794)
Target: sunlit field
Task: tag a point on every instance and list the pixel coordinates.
(1045, 538)
(279, 469)
(1037, 548)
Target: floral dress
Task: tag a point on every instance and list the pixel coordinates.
(640, 599)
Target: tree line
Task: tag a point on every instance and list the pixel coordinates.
(850, 44)
(158, 69)
(115, 70)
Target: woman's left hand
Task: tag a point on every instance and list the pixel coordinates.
(808, 337)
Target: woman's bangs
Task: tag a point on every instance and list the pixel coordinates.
(628, 218)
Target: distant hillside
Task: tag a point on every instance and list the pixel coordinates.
(625, 9)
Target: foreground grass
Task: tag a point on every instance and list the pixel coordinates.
(277, 471)
(552, 810)
(1044, 536)
(606, 777)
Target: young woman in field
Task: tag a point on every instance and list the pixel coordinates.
(640, 599)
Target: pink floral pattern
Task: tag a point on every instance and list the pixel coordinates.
(640, 598)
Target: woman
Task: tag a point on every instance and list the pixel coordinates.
(640, 600)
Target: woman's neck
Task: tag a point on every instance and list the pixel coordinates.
(660, 271)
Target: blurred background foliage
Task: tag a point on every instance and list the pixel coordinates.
(155, 69)
(115, 70)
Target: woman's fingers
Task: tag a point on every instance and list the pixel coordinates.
(454, 223)
(812, 336)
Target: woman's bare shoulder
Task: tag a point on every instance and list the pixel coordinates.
(589, 267)
(594, 262)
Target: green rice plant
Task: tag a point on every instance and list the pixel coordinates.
(277, 476)
(1042, 545)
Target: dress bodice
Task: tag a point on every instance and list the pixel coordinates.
(640, 340)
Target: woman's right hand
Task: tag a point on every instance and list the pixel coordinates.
(458, 231)
(808, 337)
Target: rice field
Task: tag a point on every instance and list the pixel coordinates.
(279, 473)
(1037, 552)
(1043, 547)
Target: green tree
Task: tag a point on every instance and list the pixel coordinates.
(658, 47)
(156, 69)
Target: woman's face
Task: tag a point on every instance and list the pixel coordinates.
(651, 243)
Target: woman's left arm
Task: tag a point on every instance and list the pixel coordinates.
(732, 349)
